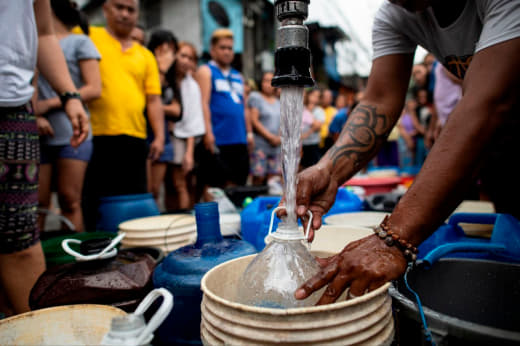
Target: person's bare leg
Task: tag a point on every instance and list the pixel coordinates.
(18, 274)
(157, 173)
(179, 181)
(149, 175)
(44, 192)
(71, 174)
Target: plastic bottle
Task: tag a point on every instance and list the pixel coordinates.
(131, 329)
(271, 279)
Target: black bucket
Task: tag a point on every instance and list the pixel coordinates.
(465, 302)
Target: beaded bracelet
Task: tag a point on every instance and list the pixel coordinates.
(391, 238)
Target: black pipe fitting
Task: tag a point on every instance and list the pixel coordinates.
(292, 67)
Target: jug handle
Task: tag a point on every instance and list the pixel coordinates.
(306, 234)
(107, 252)
(159, 316)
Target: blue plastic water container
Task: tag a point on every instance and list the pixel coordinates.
(115, 209)
(450, 238)
(182, 270)
(256, 216)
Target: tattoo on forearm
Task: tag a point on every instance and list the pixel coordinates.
(364, 130)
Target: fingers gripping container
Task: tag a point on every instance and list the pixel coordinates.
(256, 217)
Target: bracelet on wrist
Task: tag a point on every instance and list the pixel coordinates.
(391, 238)
(68, 95)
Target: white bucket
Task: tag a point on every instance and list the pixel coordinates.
(83, 324)
(332, 238)
(167, 232)
(360, 219)
(363, 320)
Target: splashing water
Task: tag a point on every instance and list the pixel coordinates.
(291, 109)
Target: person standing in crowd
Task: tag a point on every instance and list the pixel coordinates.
(446, 95)
(313, 118)
(265, 117)
(330, 111)
(163, 45)
(424, 113)
(138, 34)
(190, 129)
(131, 84)
(228, 130)
(57, 157)
(430, 63)
(340, 118)
(479, 42)
(26, 26)
(409, 130)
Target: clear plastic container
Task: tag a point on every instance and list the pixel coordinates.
(286, 263)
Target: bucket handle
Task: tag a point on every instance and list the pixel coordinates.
(159, 316)
(107, 252)
(440, 251)
(306, 234)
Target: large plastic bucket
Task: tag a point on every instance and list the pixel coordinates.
(84, 324)
(113, 210)
(465, 301)
(363, 320)
(332, 238)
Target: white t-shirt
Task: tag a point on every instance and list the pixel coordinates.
(481, 24)
(192, 122)
(18, 51)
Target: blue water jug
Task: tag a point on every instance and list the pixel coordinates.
(504, 244)
(182, 270)
(113, 210)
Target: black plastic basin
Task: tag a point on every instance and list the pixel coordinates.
(466, 301)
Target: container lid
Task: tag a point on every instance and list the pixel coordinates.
(332, 239)
(374, 181)
(171, 222)
(160, 241)
(230, 224)
(362, 219)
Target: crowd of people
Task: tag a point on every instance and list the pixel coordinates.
(165, 125)
(114, 113)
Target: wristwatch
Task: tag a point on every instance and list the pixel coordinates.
(67, 95)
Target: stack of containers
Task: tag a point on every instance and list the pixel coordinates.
(166, 232)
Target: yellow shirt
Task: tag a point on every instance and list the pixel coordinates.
(127, 77)
(330, 112)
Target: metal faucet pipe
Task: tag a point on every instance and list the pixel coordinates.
(292, 55)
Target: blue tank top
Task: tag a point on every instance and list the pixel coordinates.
(227, 106)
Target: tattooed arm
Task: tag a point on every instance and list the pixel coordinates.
(367, 127)
(490, 90)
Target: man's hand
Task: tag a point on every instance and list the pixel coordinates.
(250, 142)
(156, 148)
(275, 140)
(187, 163)
(316, 190)
(79, 120)
(44, 127)
(209, 142)
(363, 265)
